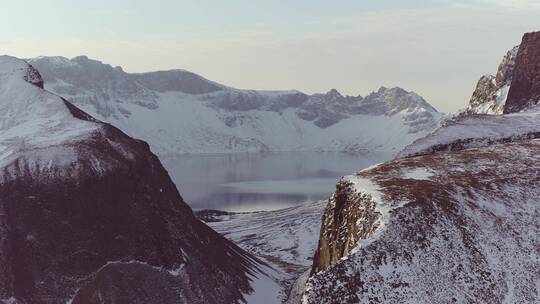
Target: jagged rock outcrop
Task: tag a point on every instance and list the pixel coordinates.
(454, 218)
(516, 85)
(491, 92)
(90, 214)
(525, 88)
(180, 112)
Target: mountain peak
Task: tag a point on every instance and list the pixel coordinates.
(525, 87)
(516, 85)
(396, 99)
(384, 89)
(120, 97)
(17, 69)
(37, 118)
(334, 93)
(82, 58)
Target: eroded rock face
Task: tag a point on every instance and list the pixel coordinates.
(350, 217)
(491, 92)
(516, 86)
(525, 88)
(88, 213)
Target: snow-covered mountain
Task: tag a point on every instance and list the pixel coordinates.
(89, 215)
(459, 226)
(454, 219)
(177, 111)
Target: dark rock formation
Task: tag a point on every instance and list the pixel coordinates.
(516, 86)
(490, 94)
(95, 215)
(525, 87)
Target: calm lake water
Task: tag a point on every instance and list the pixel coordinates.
(253, 182)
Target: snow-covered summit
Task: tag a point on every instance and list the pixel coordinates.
(178, 111)
(31, 118)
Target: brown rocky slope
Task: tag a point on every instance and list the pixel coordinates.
(457, 226)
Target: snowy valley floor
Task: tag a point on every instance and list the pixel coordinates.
(286, 239)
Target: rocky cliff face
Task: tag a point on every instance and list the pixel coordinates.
(89, 214)
(180, 112)
(515, 87)
(338, 240)
(491, 92)
(525, 88)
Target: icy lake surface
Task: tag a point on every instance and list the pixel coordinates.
(254, 182)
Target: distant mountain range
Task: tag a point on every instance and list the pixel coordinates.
(178, 111)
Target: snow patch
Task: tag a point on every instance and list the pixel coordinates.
(418, 174)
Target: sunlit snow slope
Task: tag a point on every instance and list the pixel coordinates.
(177, 111)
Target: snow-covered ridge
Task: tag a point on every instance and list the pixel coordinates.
(475, 131)
(404, 231)
(178, 111)
(503, 107)
(32, 119)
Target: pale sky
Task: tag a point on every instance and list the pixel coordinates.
(437, 48)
